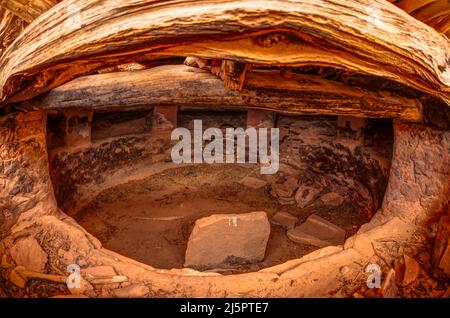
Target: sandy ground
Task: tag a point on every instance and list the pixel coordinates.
(150, 220)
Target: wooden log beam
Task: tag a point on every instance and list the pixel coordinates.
(342, 34)
(180, 85)
(28, 10)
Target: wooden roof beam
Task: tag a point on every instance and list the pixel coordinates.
(180, 85)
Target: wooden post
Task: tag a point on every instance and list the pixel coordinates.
(165, 118)
(78, 128)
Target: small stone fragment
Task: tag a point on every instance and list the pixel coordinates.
(253, 183)
(436, 293)
(133, 291)
(373, 293)
(389, 288)
(5, 264)
(399, 267)
(286, 201)
(84, 287)
(285, 220)
(306, 195)
(318, 232)
(332, 199)
(441, 252)
(412, 270)
(447, 293)
(100, 271)
(71, 296)
(29, 254)
(286, 189)
(16, 278)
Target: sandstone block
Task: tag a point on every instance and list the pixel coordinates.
(227, 240)
(29, 254)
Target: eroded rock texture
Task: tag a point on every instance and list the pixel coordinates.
(343, 155)
(25, 183)
(419, 183)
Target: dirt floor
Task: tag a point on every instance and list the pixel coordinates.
(150, 220)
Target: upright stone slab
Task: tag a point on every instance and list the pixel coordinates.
(228, 240)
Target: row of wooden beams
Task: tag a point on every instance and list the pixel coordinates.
(180, 85)
(342, 34)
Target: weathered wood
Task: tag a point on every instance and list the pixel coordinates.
(10, 28)
(28, 10)
(340, 34)
(181, 85)
(435, 13)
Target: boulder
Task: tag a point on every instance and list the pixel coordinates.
(227, 240)
(318, 232)
(285, 220)
(28, 253)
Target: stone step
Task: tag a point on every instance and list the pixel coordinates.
(318, 232)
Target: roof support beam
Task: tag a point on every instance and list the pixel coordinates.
(180, 85)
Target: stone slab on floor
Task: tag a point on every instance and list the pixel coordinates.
(228, 240)
(285, 220)
(318, 232)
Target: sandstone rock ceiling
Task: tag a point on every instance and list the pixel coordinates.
(435, 13)
(328, 33)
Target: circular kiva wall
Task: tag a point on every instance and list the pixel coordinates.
(38, 238)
